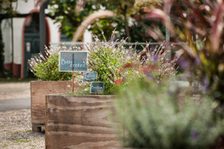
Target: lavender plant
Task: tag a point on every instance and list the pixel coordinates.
(45, 67)
(150, 116)
(155, 63)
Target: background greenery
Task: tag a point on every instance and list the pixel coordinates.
(127, 22)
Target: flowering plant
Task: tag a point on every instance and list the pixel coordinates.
(45, 67)
(199, 24)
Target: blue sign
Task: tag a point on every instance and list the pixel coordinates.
(96, 87)
(90, 76)
(71, 61)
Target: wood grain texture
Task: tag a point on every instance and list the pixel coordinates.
(80, 123)
(39, 89)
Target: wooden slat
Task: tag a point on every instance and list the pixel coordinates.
(80, 123)
(39, 89)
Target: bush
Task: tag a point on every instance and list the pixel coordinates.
(151, 116)
(47, 69)
(107, 60)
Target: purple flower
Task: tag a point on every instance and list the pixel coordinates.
(154, 58)
(194, 135)
(205, 84)
(184, 64)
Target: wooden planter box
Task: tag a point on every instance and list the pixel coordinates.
(80, 122)
(39, 89)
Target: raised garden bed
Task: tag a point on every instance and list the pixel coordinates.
(80, 122)
(39, 89)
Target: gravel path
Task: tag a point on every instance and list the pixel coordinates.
(15, 126)
(16, 133)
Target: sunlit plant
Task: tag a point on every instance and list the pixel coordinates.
(45, 67)
(156, 64)
(106, 59)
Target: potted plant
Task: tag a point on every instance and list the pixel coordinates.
(202, 54)
(84, 117)
(50, 80)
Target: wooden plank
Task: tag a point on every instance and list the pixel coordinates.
(80, 122)
(39, 89)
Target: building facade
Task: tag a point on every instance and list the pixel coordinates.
(21, 37)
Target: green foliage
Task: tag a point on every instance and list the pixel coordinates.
(127, 22)
(69, 13)
(199, 24)
(147, 3)
(151, 116)
(48, 70)
(155, 64)
(118, 65)
(106, 61)
(104, 28)
(5, 7)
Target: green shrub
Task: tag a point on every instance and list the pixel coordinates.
(151, 116)
(107, 60)
(48, 70)
(117, 65)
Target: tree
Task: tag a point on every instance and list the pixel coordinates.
(127, 21)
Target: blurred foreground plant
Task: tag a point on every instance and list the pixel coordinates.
(151, 115)
(199, 24)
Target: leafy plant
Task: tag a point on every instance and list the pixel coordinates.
(127, 21)
(106, 60)
(155, 64)
(199, 24)
(152, 115)
(117, 65)
(45, 67)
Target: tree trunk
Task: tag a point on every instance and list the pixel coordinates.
(127, 31)
(1, 52)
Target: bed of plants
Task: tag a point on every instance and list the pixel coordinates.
(156, 109)
(163, 114)
(45, 67)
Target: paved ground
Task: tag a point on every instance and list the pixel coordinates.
(15, 104)
(14, 96)
(15, 118)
